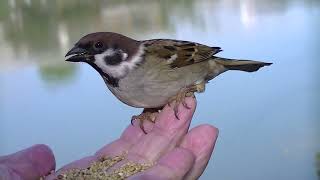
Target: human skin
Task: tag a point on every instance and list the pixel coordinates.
(178, 153)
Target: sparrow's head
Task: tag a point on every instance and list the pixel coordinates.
(109, 53)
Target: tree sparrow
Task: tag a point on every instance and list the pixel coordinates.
(151, 73)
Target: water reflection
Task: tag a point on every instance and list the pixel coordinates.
(26, 24)
(40, 31)
(283, 116)
(40, 27)
(57, 74)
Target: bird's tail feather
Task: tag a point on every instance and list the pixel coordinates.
(241, 65)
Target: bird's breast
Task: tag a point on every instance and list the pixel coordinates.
(152, 84)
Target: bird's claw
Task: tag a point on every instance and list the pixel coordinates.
(180, 99)
(145, 116)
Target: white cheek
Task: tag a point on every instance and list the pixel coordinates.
(116, 71)
(135, 59)
(100, 57)
(120, 70)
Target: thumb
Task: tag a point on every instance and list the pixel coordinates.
(30, 163)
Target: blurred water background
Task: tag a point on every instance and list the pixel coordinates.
(269, 121)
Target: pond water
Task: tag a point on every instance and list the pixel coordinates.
(269, 121)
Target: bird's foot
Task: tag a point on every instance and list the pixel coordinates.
(180, 99)
(147, 115)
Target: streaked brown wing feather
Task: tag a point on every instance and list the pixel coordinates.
(180, 53)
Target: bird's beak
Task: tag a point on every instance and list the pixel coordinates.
(77, 54)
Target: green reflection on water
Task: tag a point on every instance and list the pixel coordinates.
(45, 30)
(39, 26)
(58, 73)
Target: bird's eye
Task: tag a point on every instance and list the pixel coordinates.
(98, 45)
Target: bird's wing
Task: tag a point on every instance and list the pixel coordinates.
(179, 53)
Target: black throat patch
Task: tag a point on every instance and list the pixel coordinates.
(114, 82)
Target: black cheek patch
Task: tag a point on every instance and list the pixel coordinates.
(115, 59)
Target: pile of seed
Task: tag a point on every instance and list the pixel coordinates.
(98, 170)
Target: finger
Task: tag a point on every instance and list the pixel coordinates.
(165, 135)
(129, 137)
(200, 141)
(173, 165)
(7, 173)
(30, 163)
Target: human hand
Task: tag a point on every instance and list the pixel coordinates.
(177, 153)
(28, 164)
